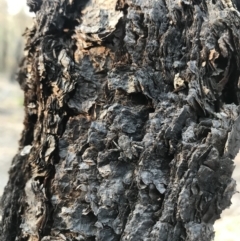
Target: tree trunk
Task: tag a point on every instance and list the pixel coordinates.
(131, 124)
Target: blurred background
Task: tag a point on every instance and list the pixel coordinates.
(14, 18)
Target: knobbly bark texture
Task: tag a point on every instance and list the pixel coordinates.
(132, 121)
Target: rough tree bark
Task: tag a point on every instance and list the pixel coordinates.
(131, 124)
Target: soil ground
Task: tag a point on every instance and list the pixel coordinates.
(11, 118)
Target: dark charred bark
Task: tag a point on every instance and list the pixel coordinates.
(131, 121)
